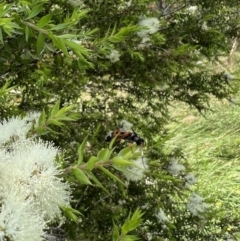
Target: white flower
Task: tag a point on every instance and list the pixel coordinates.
(152, 25)
(77, 41)
(204, 26)
(191, 179)
(13, 128)
(149, 236)
(145, 39)
(196, 204)
(137, 173)
(161, 216)
(229, 76)
(76, 3)
(121, 202)
(192, 9)
(113, 56)
(175, 168)
(125, 126)
(129, 3)
(18, 221)
(32, 116)
(199, 62)
(35, 176)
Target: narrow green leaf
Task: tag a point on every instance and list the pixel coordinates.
(110, 175)
(104, 155)
(71, 44)
(44, 20)
(95, 180)
(115, 233)
(91, 162)
(58, 43)
(5, 9)
(60, 26)
(27, 33)
(35, 11)
(112, 142)
(130, 238)
(42, 118)
(132, 222)
(81, 177)
(64, 110)
(81, 150)
(71, 213)
(123, 34)
(55, 108)
(55, 122)
(1, 37)
(120, 161)
(126, 152)
(69, 36)
(40, 42)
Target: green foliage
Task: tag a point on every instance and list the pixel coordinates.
(85, 65)
(130, 224)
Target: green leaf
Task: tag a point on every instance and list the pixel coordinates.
(99, 184)
(110, 175)
(120, 161)
(69, 36)
(44, 20)
(81, 150)
(126, 152)
(129, 238)
(4, 10)
(40, 42)
(42, 118)
(91, 162)
(64, 110)
(81, 177)
(104, 155)
(27, 33)
(55, 109)
(115, 233)
(35, 11)
(4, 90)
(112, 142)
(123, 34)
(55, 122)
(1, 37)
(77, 47)
(58, 43)
(132, 222)
(60, 26)
(71, 213)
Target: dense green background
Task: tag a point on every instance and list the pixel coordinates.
(41, 59)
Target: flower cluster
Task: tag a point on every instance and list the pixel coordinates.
(196, 205)
(161, 216)
(151, 26)
(190, 179)
(136, 172)
(175, 168)
(31, 192)
(113, 56)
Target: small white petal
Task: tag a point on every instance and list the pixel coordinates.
(113, 56)
(175, 168)
(161, 216)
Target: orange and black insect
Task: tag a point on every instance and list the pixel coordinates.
(125, 135)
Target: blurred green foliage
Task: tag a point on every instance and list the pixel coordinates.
(59, 52)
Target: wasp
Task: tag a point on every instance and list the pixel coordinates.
(125, 132)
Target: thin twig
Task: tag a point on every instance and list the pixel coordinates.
(96, 202)
(80, 199)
